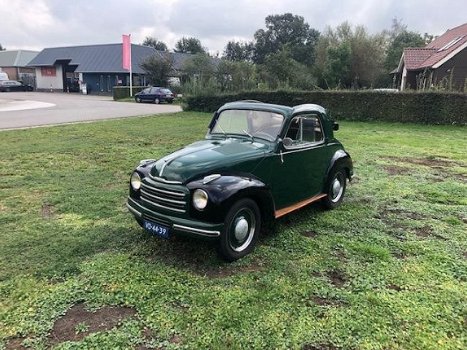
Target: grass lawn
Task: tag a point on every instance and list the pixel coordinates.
(386, 270)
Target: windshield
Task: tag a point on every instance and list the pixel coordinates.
(264, 125)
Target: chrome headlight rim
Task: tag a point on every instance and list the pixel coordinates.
(200, 199)
(135, 181)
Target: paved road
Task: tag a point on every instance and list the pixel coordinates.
(27, 109)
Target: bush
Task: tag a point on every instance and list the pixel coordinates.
(120, 92)
(413, 107)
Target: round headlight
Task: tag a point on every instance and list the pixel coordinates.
(135, 181)
(200, 199)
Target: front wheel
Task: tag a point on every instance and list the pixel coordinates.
(335, 188)
(157, 101)
(241, 229)
(138, 99)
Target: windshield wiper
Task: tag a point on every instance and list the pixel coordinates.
(220, 127)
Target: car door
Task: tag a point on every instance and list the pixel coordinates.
(301, 162)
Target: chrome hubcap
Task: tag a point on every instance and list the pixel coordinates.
(241, 229)
(337, 189)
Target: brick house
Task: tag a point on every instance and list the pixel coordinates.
(14, 63)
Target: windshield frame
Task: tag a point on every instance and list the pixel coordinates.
(247, 132)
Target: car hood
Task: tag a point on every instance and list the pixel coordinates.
(210, 156)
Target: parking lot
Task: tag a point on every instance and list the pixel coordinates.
(29, 109)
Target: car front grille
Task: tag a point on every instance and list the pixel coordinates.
(173, 198)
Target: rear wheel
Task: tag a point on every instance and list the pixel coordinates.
(335, 188)
(241, 229)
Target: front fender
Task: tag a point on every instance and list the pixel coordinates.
(225, 191)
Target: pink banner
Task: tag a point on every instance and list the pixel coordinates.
(126, 53)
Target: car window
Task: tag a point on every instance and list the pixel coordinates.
(305, 130)
(154, 90)
(259, 124)
(166, 91)
(147, 91)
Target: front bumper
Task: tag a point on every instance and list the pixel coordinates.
(177, 225)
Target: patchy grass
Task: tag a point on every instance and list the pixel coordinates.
(386, 270)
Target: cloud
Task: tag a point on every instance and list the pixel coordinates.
(36, 24)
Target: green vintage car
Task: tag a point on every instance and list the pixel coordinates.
(257, 163)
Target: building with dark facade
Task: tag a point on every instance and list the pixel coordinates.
(98, 67)
(442, 63)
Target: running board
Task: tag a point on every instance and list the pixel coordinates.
(284, 211)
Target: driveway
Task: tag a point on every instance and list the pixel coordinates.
(27, 109)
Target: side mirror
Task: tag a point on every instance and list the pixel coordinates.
(335, 126)
(287, 142)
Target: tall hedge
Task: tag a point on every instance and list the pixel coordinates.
(120, 92)
(414, 107)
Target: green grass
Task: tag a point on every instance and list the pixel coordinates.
(386, 270)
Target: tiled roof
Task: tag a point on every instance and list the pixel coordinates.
(414, 57)
(437, 50)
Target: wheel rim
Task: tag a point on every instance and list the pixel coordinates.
(337, 188)
(242, 229)
(138, 99)
(156, 101)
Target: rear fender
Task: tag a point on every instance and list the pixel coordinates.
(342, 159)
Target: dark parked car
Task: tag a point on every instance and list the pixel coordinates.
(257, 163)
(13, 85)
(155, 95)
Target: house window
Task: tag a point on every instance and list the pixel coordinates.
(48, 71)
(451, 43)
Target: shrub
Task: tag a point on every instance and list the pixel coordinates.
(120, 92)
(413, 107)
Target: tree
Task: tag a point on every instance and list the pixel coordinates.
(189, 45)
(238, 51)
(396, 47)
(199, 66)
(153, 42)
(286, 30)
(349, 57)
(2, 48)
(158, 68)
(236, 75)
(281, 70)
(338, 66)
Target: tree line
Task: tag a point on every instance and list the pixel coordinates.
(289, 53)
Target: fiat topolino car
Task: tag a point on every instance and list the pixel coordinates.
(257, 163)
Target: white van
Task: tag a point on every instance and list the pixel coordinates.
(3, 76)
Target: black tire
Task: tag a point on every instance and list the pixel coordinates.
(138, 99)
(335, 188)
(241, 230)
(170, 101)
(157, 101)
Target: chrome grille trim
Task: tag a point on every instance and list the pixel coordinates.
(168, 197)
(147, 194)
(171, 193)
(160, 179)
(162, 206)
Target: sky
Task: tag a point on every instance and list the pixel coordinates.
(38, 24)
